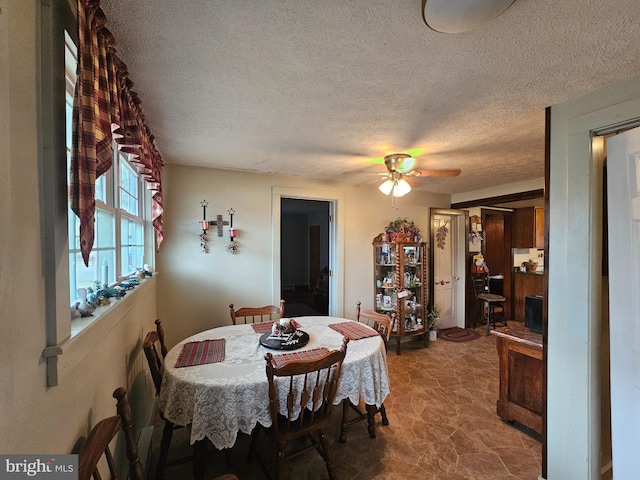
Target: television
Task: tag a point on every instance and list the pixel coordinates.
(533, 313)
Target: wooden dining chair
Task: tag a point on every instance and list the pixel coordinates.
(154, 343)
(257, 314)
(381, 322)
(492, 303)
(384, 325)
(311, 389)
(97, 444)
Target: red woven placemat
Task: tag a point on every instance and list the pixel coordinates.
(354, 330)
(264, 327)
(199, 353)
(312, 354)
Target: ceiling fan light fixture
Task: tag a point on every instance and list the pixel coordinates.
(401, 188)
(386, 187)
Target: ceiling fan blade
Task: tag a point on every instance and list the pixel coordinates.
(452, 172)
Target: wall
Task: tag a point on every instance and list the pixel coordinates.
(195, 288)
(34, 418)
(499, 190)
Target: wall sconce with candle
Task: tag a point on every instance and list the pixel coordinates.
(233, 233)
(204, 239)
(219, 224)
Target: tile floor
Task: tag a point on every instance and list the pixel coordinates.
(443, 426)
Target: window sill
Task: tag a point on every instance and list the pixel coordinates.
(87, 332)
(79, 324)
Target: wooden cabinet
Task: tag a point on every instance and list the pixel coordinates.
(528, 228)
(401, 286)
(525, 284)
(520, 357)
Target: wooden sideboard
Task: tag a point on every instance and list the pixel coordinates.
(520, 358)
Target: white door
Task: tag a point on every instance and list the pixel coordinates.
(623, 185)
(448, 247)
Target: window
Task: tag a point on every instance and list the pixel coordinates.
(120, 211)
(63, 267)
(131, 223)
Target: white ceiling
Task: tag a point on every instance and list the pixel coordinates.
(327, 88)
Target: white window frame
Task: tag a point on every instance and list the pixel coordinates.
(142, 217)
(65, 348)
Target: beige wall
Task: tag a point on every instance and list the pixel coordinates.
(498, 190)
(195, 288)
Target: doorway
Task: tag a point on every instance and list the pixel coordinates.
(449, 249)
(619, 353)
(335, 200)
(497, 251)
(304, 256)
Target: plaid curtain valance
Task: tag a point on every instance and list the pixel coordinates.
(106, 109)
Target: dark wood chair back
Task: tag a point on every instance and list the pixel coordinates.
(257, 314)
(378, 321)
(311, 387)
(97, 444)
(479, 284)
(153, 342)
(317, 379)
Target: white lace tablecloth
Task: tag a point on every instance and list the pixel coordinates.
(221, 399)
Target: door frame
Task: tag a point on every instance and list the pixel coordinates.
(336, 242)
(461, 253)
(574, 259)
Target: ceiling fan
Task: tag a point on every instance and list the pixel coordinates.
(400, 165)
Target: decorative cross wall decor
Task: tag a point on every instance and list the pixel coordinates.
(219, 223)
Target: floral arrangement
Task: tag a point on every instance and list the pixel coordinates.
(285, 326)
(433, 317)
(403, 230)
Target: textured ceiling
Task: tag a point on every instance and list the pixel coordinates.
(327, 88)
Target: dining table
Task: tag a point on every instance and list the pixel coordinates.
(230, 395)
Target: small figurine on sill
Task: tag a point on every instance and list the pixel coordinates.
(84, 306)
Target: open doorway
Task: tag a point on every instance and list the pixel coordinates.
(449, 250)
(497, 253)
(304, 256)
